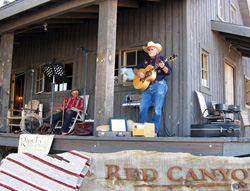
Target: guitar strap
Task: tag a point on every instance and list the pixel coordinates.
(158, 59)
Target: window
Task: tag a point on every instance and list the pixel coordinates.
(39, 81)
(42, 85)
(233, 14)
(204, 68)
(221, 9)
(248, 4)
(125, 61)
(247, 91)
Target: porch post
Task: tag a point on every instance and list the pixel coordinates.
(7, 42)
(105, 62)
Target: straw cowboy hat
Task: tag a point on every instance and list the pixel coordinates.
(152, 44)
(74, 90)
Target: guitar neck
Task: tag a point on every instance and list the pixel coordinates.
(157, 65)
(170, 59)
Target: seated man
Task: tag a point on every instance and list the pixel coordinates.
(72, 102)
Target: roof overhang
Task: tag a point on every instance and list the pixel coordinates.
(237, 35)
(19, 6)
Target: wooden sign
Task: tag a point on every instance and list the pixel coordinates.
(141, 170)
(35, 144)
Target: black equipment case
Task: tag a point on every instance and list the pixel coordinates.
(217, 129)
(114, 133)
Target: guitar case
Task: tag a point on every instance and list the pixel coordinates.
(114, 133)
(218, 129)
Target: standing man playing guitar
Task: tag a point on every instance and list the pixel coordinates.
(156, 91)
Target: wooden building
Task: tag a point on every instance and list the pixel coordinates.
(207, 35)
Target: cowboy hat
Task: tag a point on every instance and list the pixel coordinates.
(74, 90)
(152, 44)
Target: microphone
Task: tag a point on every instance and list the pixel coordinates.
(53, 60)
(81, 48)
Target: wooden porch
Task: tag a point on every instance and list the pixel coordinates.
(221, 146)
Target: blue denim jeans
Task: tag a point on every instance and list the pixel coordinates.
(154, 94)
(68, 115)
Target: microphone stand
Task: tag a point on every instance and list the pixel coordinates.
(32, 81)
(86, 67)
(57, 72)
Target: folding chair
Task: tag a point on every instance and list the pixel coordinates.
(80, 117)
(204, 110)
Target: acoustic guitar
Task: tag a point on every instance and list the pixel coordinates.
(150, 74)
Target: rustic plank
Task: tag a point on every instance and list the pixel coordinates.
(156, 20)
(90, 9)
(119, 28)
(104, 88)
(20, 7)
(219, 146)
(125, 24)
(150, 17)
(131, 32)
(128, 3)
(143, 15)
(116, 145)
(230, 28)
(7, 42)
(136, 25)
(105, 62)
(46, 13)
(186, 72)
(78, 16)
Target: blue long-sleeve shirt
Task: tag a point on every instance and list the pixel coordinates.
(160, 74)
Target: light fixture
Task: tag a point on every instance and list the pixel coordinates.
(45, 26)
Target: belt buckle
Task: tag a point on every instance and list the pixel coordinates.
(151, 83)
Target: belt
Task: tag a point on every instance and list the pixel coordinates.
(151, 83)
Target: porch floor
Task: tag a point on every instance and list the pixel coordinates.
(200, 146)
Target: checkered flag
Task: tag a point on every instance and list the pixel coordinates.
(57, 70)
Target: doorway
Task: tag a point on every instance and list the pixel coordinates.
(17, 90)
(229, 83)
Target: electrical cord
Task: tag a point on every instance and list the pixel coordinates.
(166, 131)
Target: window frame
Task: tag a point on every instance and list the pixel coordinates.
(221, 10)
(203, 70)
(68, 76)
(37, 79)
(44, 81)
(233, 11)
(246, 80)
(122, 63)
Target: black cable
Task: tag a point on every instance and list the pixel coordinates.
(166, 131)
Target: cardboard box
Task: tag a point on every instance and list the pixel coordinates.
(144, 130)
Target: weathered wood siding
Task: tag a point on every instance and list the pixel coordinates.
(199, 16)
(61, 44)
(161, 22)
(182, 27)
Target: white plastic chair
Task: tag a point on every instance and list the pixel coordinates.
(20, 115)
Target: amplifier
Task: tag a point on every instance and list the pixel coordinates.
(135, 98)
(143, 130)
